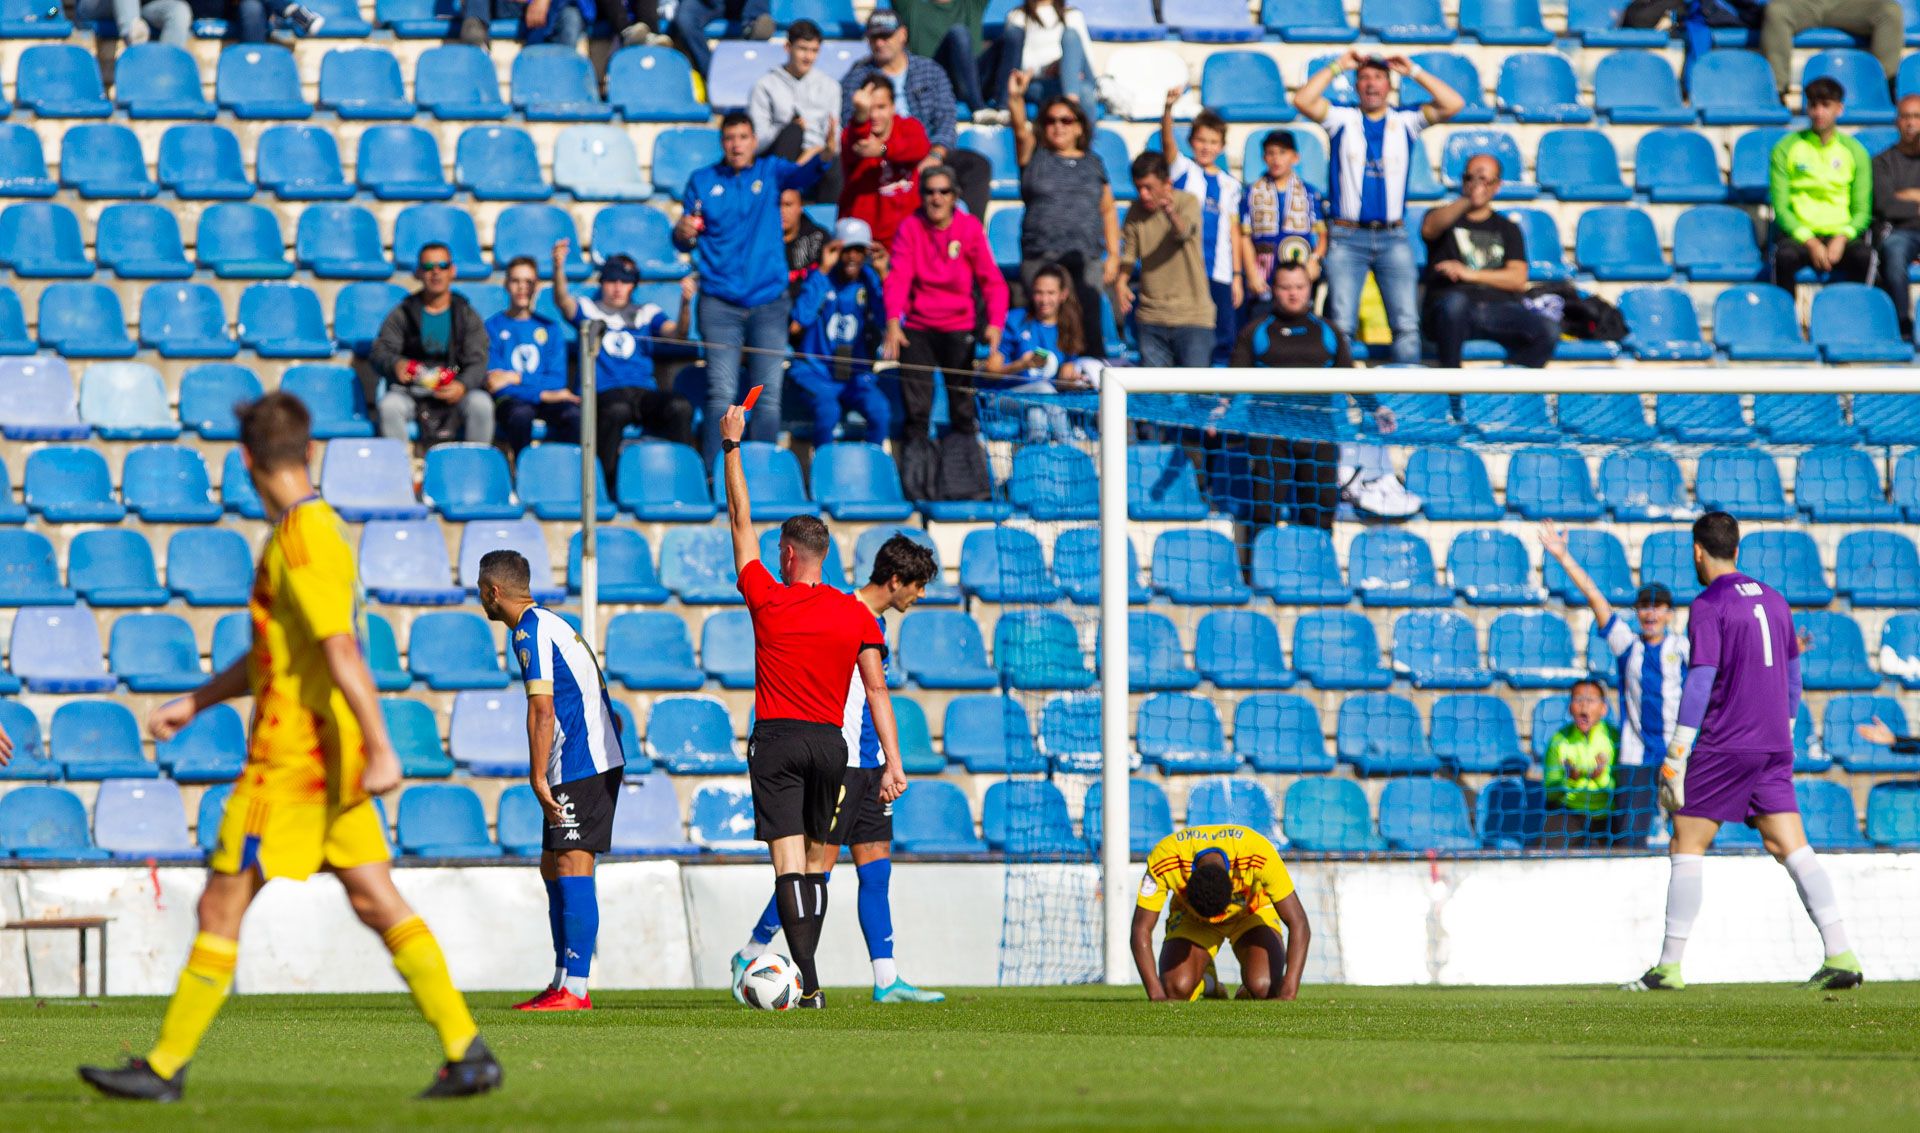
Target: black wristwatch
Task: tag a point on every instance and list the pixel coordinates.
(728, 446)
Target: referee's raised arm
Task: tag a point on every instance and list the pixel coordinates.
(746, 548)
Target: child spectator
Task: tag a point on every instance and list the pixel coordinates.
(527, 366)
(880, 154)
(1219, 194)
(1040, 352)
(1579, 771)
(1282, 220)
(841, 314)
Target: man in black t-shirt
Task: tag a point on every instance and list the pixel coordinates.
(1476, 274)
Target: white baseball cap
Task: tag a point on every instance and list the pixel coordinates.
(851, 231)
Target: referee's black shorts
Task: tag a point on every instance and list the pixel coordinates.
(798, 771)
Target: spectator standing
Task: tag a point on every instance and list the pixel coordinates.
(949, 33)
(690, 19)
(841, 314)
(1820, 184)
(627, 392)
(880, 156)
(432, 352)
(1041, 351)
(802, 237)
(1070, 218)
(940, 262)
(527, 366)
(1046, 41)
(1896, 208)
(138, 21)
(793, 105)
(1578, 773)
(1476, 274)
(1880, 22)
(1219, 194)
(730, 221)
(920, 91)
(562, 23)
(1371, 148)
(1174, 312)
(1282, 220)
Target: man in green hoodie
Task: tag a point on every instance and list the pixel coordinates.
(1820, 184)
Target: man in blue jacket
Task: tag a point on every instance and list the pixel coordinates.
(841, 315)
(730, 221)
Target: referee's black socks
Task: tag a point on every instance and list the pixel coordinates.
(803, 913)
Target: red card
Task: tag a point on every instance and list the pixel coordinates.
(753, 395)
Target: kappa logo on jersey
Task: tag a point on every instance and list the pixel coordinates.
(526, 358)
(619, 343)
(520, 635)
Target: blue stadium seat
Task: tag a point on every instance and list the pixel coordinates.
(1393, 568)
(404, 562)
(836, 17)
(1735, 88)
(556, 84)
(96, 740)
(1040, 649)
(1149, 816)
(364, 84)
(1509, 416)
(454, 650)
(97, 160)
(774, 483)
(185, 320)
(126, 401)
(465, 482)
(1419, 418)
(1667, 557)
(1716, 243)
(1906, 484)
(1678, 167)
(401, 163)
(1599, 553)
(1122, 21)
(518, 823)
(201, 162)
(1426, 815)
(1546, 262)
(678, 151)
(213, 808)
(1405, 21)
(1005, 564)
(418, 19)
(1533, 649)
(1663, 326)
(57, 80)
(696, 564)
(1619, 244)
(1490, 568)
(360, 308)
(659, 481)
(989, 734)
(1379, 733)
(1162, 484)
(1337, 649)
(642, 232)
(547, 477)
(1837, 658)
(334, 397)
(1639, 88)
(1307, 21)
(917, 754)
(1214, 21)
(1054, 481)
(68, 484)
(1029, 819)
(522, 535)
(1712, 418)
(1181, 735)
(1295, 565)
(141, 242)
(210, 567)
(114, 568)
(736, 65)
(726, 648)
(1070, 733)
(1579, 165)
(1826, 809)
(159, 80)
(1438, 649)
(29, 573)
(37, 401)
(648, 819)
(241, 241)
(1886, 418)
(1474, 733)
(1465, 144)
(1551, 483)
(598, 163)
(46, 824)
(1789, 562)
(1540, 87)
(155, 653)
(39, 240)
(1504, 22)
(1604, 418)
(1878, 568)
(1240, 649)
(233, 636)
(1840, 737)
(627, 573)
(342, 20)
(420, 225)
(499, 163)
(211, 749)
(168, 484)
(1893, 815)
(1329, 815)
(653, 84)
(1003, 238)
(259, 80)
(1853, 322)
(1156, 659)
(283, 320)
(1841, 485)
(693, 735)
(1643, 486)
(1756, 323)
(1278, 732)
(650, 649)
(443, 820)
(943, 649)
(487, 733)
(302, 163)
(1743, 481)
(1076, 567)
(1198, 567)
(14, 339)
(1235, 802)
(1859, 74)
(1452, 483)
(858, 481)
(720, 820)
(1511, 814)
(456, 82)
(1244, 86)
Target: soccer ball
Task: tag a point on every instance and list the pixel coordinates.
(770, 983)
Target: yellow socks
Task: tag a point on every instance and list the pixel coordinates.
(203, 987)
(418, 959)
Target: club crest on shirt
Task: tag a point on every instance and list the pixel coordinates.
(756, 186)
(526, 358)
(953, 249)
(525, 658)
(540, 335)
(618, 343)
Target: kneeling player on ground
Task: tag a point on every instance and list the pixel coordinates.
(317, 754)
(1228, 885)
(901, 571)
(575, 764)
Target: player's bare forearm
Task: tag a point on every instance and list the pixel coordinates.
(1299, 934)
(1143, 921)
(540, 747)
(873, 675)
(746, 548)
(227, 684)
(348, 667)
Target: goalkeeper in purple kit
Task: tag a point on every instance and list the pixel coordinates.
(1731, 757)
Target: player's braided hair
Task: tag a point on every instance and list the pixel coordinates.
(1209, 887)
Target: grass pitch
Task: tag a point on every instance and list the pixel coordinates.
(1753, 1059)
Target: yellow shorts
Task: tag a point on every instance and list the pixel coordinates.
(297, 840)
(1211, 936)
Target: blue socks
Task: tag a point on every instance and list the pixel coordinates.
(876, 913)
(557, 926)
(768, 924)
(580, 916)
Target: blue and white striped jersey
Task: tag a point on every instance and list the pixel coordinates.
(863, 740)
(1650, 680)
(1370, 161)
(555, 662)
(1219, 193)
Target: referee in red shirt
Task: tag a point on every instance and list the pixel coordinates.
(807, 639)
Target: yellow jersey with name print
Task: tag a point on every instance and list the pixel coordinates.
(1260, 878)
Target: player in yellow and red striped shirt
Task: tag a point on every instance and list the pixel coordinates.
(1227, 885)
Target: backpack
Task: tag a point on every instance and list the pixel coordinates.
(951, 468)
(1581, 315)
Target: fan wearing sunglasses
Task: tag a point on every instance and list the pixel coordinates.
(432, 351)
(1227, 885)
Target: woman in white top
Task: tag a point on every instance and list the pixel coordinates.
(1048, 40)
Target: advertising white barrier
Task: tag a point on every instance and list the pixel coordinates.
(674, 925)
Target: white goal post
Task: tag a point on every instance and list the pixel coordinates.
(1117, 876)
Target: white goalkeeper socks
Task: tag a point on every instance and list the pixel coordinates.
(1684, 888)
(1816, 893)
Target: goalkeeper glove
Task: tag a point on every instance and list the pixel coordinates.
(1673, 772)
